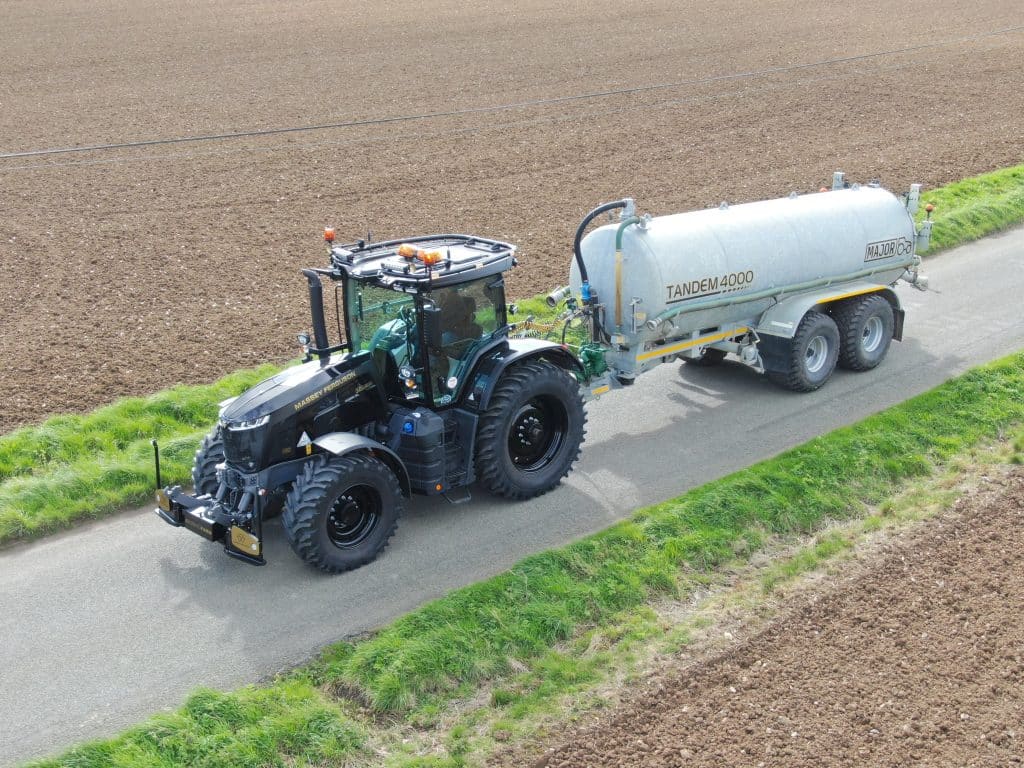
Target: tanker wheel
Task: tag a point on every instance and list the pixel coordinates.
(204, 467)
(342, 511)
(865, 331)
(530, 435)
(811, 356)
(710, 358)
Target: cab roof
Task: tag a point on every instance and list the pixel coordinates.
(424, 262)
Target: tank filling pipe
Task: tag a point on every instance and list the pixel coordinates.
(618, 268)
(768, 293)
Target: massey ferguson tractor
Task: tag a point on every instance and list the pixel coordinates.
(429, 389)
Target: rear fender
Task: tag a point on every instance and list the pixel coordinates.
(343, 443)
(488, 371)
(783, 319)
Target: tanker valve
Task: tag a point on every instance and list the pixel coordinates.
(558, 295)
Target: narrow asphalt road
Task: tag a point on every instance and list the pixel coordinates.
(107, 624)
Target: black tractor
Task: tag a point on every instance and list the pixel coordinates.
(426, 392)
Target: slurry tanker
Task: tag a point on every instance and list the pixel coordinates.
(429, 388)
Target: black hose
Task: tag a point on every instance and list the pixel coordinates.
(316, 308)
(583, 227)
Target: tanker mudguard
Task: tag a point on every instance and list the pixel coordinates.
(341, 443)
(487, 374)
(783, 319)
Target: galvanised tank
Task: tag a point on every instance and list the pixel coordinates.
(678, 263)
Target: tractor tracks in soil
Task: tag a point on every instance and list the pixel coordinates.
(913, 654)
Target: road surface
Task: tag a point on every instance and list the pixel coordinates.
(107, 624)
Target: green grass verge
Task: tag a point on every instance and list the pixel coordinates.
(448, 648)
(72, 468)
(288, 723)
(970, 209)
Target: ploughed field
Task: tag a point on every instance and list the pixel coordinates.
(914, 658)
(126, 270)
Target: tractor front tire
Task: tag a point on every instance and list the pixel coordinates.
(865, 331)
(342, 511)
(204, 467)
(530, 435)
(811, 356)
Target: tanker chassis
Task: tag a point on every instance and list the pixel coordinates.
(432, 388)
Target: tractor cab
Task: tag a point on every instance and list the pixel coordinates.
(424, 309)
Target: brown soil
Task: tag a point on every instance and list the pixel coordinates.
(125, 271)
(916, 660)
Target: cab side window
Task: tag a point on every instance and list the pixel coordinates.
(468, 316)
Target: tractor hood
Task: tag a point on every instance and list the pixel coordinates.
(296, 389)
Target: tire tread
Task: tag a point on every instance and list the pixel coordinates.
(301, 513)
(490, 447)
(204, 466)
(848, 315)
(794, 377)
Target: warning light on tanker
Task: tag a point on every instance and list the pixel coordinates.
(329, 234)
(407, 251)
(429, 257)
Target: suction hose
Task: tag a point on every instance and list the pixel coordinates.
(579, 237)
(597, 332)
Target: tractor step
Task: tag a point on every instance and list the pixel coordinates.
(457, 495)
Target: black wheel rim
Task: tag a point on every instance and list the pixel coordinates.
(353, 516)
(537, 433)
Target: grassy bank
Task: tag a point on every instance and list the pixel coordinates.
(970, 209)
(509, 629)
(72, 468)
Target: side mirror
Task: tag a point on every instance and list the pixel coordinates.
(432, 326)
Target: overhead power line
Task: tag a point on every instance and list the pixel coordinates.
(507, 107)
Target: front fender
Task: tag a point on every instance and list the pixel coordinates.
(783, 319)
(488, 371)
(342, 443)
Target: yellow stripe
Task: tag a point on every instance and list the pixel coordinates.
(662, 351)
(600, 390)
(852, 293)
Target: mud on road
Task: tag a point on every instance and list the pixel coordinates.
(125, 271)
(915, 660)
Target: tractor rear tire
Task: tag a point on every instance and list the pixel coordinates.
(865, 331)
(530, 435)
(204, 467)
(711, 357)
(811, 356)
(342, 511)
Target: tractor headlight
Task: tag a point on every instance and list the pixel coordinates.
(249, 424)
